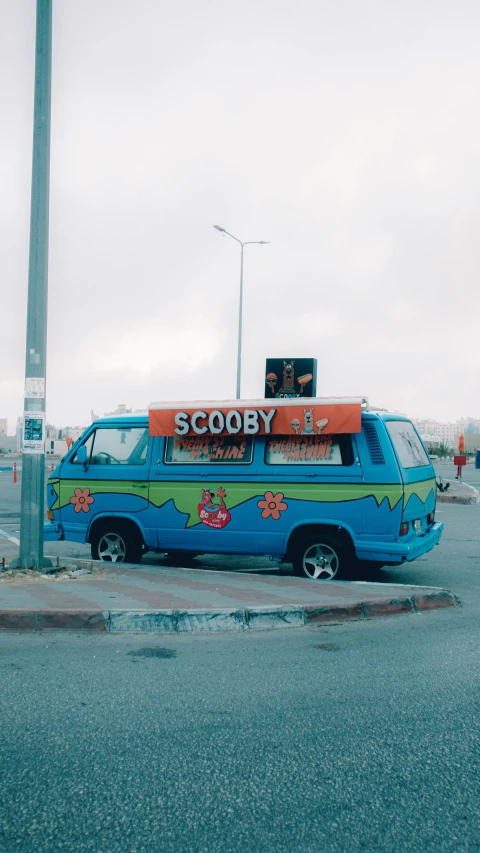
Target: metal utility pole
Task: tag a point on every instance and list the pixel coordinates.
(33, 459)
(240, 307)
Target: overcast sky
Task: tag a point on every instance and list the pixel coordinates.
(345, 133)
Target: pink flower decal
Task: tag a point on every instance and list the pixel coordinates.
(82, 500)
(272, 505)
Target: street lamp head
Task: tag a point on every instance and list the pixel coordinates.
(219, 228)
(264, 242)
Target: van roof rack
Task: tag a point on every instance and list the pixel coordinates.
(261, 403)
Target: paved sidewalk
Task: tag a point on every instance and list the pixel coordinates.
(162, 599)
(459, 493)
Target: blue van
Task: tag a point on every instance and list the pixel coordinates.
(225, 480)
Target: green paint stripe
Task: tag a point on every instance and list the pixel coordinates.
(187, 495)
(421, 490)
(98, 487)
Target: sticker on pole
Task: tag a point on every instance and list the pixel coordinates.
(34, 388)
(34, 432)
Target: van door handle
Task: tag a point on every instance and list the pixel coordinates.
(140, 485)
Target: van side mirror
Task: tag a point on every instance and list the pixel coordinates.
(82, 456)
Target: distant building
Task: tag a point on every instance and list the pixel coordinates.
(447, 432)
(3, 426)
(51, 432)
(55, 447)
(472, 441)
(19, 433)
(120, 410)
(470, 425)
(431, 441)
(71, 432)
(8, 443)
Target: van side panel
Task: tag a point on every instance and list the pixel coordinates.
(293, 495)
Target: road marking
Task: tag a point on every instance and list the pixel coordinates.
(11, 538)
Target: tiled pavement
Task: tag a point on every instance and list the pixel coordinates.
(146, 595)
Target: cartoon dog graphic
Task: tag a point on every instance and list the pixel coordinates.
(308, 422)
(288, 376)
(212, 514)
(208, 498)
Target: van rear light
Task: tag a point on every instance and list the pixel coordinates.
(431, 517)
(404, 528)
(50, 515)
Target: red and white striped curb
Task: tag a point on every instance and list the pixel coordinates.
(218, 620)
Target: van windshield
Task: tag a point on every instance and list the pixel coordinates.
(407, 443)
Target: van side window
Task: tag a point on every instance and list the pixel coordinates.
(407, 443)
(309, 450)
(119, 446)
(191, 451)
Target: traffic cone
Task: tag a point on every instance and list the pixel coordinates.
(15, 472)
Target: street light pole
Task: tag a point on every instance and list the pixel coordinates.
(33, 458)
(240, 307)
(240, 325)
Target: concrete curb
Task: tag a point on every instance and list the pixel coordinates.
(53, 620)
(452, 498)
(221, 620)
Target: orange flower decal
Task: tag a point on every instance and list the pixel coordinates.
(81, 500)
(272, 505)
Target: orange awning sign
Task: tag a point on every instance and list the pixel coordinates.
(257, 417)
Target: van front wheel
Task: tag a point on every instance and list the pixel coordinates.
(320, 557)
(113, 545)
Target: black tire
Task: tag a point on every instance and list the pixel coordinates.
(324, 548)
(114, 543)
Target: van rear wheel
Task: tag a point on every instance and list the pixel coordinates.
(321, 557)
(112, 544)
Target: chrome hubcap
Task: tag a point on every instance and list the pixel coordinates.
(111, 548)
(320, 562)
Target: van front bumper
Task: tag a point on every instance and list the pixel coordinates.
(400, 552)
(53, 532)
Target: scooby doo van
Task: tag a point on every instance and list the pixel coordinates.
(324, 484)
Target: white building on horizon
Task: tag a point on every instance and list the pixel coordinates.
(446, 432)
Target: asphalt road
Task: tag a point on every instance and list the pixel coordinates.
(470, 474)
(362, 737)
(358, 737)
